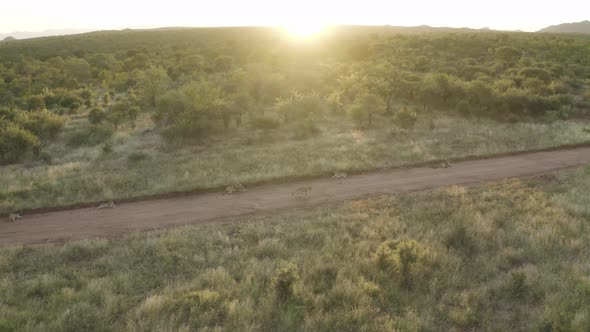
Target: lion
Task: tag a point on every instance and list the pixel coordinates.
(108, 205)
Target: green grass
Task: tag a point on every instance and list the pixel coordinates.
(142, 164)
(511, 256)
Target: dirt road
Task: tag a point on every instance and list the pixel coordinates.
(154, 214)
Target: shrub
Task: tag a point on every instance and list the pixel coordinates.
(96, 116)
(266, 123)
(517, 286)
(365, 107)
(322, 279)
(405, 118)
(306, 129)
(132, 114)
(298, 106)
(539, 73)
(17, 144)
(460, 240)
(36, 103)
(187, 130)
(399, 257)
(285, 276)
(44, 124)
(431, 124)
(107, 147)
(92, 136)
(136, 157)
(357, 115)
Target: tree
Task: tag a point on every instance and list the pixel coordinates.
(480, 94)
(365, 107)
(299, 106)
(241, 104)
(539, 73)
(508, 54)
(223, 63)
(405, 118)
(384, 81)
(78, 69)
(439, 89)
(201, 105)
(121, 112)
(43, 124)
(169, 106)
(16, 144)
(153, 82)
(334, 100)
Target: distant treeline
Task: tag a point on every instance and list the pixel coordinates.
(198, 81)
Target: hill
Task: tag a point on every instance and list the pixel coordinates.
(579, 27)
(46, 33)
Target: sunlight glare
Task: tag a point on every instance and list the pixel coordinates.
(304, 30)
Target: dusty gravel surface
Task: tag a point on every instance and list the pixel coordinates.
(86, 223)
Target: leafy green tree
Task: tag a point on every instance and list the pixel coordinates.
(223, 63)
(43, 124)
(299, 106)
(169, 107)
(16, 144)
(202, 105)
(78, 69)
(508, 54)
(384, 81)
(117, 114)
(241, 103)
(365, 107)
(480, 95)
(153, 82)
(439, 90)
(539, 73)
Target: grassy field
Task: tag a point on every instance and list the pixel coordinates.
(142, 164)
(510, 256)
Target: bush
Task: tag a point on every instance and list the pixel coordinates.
(44, 124)
(17, 144)
(306, 129)
(357, 115)
(365, 107)
(96, 116)
(187, 130)
(92, 136)
(539, 73)
(517, 286)
(459, 239)
(137, 157)
(36, 103)
(266, 123)
(399, 257)
(285, 276)
(107, 147)
(405, 118)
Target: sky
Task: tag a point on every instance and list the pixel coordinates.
(526, 15)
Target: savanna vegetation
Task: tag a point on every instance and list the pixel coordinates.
(508, 256)
(110, 115)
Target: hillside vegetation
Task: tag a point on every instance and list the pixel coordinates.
(110, 115)
(579, 27)
(508, 256)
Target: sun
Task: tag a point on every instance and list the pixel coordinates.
(304, 30)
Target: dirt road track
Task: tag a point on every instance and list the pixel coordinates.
(153, 214)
